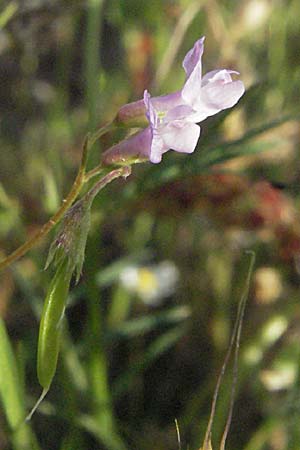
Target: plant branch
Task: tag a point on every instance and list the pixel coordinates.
(80, 180)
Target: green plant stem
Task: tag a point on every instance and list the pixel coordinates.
(121, 172)
(80, 180)
(93, 137)
(94, 172)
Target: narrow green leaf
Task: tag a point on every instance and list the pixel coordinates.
(10, 391)
(11, 396)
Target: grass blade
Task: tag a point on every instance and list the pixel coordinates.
(12, 397)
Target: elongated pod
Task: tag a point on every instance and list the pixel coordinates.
(50, 325)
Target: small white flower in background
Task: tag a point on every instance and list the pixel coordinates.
(151, 283)
(282, 376)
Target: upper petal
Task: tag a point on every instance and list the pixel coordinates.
(192, 65)
(192, 88)
(193, 56)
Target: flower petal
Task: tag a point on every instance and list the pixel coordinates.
(218, 95)
(165, 103)
(180, 112)
(218, 92)
(191, 90)
(181, 136)
(214, 75)
(193, 57)
(158, 147)
(193, 68)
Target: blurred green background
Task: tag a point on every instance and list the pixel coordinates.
(148, 325)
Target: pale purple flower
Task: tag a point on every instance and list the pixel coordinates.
(172, 118)
(170, 130)
(166, 130)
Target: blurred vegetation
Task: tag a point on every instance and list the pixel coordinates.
(148, 325)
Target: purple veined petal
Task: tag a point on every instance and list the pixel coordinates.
(181, 136)
(193, 57)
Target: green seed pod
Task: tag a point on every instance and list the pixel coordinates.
(50, 325)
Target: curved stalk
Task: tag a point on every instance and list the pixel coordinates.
(80, 180)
